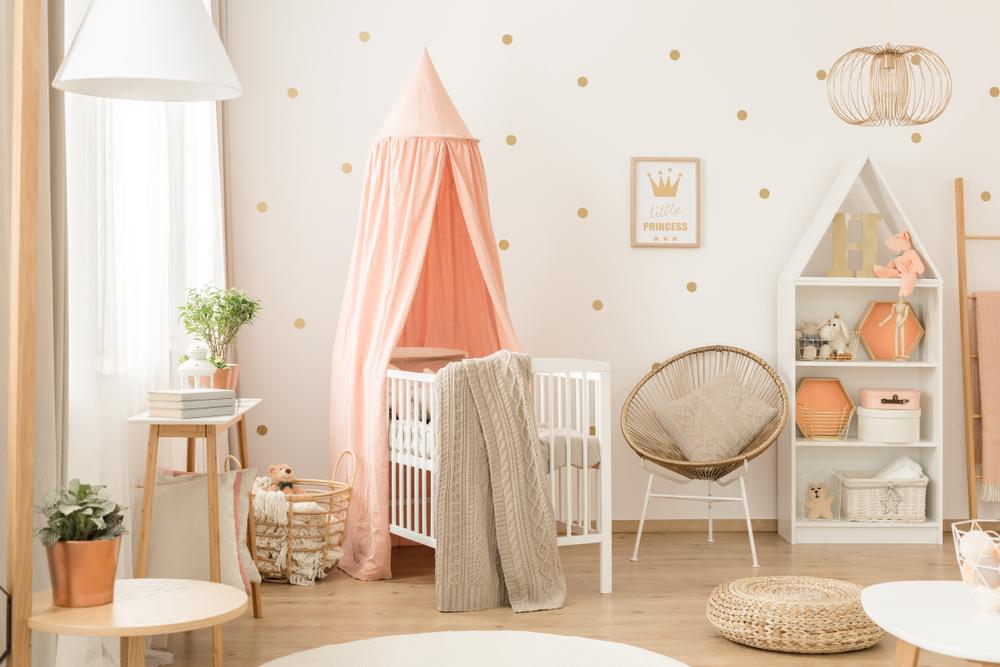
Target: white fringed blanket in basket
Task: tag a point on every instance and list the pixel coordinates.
(867, 499)
(317, 517)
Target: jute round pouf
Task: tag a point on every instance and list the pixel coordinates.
(481, 649)
(793, 615)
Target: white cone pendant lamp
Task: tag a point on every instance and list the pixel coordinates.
(161, 50)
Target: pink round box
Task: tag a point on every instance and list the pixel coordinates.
(890, 399)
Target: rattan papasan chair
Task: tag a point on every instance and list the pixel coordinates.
(676, 378)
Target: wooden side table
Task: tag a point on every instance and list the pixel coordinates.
(938, 616)
(143, 607)
(208, 428)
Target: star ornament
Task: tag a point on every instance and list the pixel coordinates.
(891, 502)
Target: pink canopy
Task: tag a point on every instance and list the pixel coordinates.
(425, 273)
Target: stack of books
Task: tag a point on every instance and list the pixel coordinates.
(192, 403)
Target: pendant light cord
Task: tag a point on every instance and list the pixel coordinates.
(888, 24)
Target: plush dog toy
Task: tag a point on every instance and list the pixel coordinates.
(281, 479)
(905, 263)
(819, 503)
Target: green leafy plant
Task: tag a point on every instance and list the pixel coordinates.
(216, 315)
(79, 513)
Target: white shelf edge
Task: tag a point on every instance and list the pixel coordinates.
(867, 364)
(799, 523)
(819, 281)
(854, 442)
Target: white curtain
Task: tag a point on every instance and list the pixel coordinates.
(144, 224)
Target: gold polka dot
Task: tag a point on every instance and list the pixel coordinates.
(364, 36)
(582, 81)
(692, 287)
(507, 39)
(915, 138)
(583, 213)
(503, 244)
(261, 206)
(994, 92)
(511, 140)
(821, 74)
(741, 114)
(346, 167)
(300, 323)
(293, 93)
(675, 54)
(261, 430)
(986, 195)
(598, 305)
(656, 365)
(915, 60)
(764, 193)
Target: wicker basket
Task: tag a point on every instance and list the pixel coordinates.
(793, 615)
(334, 498)
(866, 499)
(826, 425)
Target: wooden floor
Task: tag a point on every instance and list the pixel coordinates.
(658, 603)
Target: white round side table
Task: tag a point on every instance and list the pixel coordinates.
(938, 616)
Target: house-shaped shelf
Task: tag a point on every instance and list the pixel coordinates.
(810, 289)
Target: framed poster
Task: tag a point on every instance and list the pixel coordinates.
(665, 202)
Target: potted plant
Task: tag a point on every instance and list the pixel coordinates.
(82, 539)
(215, 316)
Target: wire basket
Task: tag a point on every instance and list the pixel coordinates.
(826, 425)
(817, 346)
(978, 553)
(313, 546)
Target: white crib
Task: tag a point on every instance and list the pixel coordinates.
(572, 402)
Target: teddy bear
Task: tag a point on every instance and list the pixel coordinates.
(905, 263)
(281, 479)
(819, 503)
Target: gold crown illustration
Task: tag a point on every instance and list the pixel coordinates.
(662, 189)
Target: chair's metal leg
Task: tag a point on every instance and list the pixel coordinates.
(710, 536)
(746, 509)
(642, 520)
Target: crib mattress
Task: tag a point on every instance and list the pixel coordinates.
(576, 440)
(416, 438)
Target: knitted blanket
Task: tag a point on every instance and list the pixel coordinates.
(495, 528)
(984, 317)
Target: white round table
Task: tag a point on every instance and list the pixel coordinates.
(938, 616)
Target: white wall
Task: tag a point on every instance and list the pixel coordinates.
(573, 149)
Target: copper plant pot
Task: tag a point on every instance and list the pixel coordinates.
(83, 573)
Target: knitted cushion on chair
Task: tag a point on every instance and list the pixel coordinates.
(716, 421)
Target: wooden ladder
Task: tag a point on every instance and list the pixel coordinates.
(967, 356)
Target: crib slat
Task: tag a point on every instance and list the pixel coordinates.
(585, 472)
(552, 439)
(431, 456)
(569, 458)
(393, 513)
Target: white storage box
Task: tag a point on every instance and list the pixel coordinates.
(888, 426)
(867, 499)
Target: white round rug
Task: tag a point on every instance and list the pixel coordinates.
(482, 649)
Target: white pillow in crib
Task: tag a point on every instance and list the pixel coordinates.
(716, 421)
(178, 539)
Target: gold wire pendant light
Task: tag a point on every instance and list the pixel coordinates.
(890, 85)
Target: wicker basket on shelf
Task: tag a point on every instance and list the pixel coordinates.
(826, 425)
(866, 499)
(314, 531)
(810, 346)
